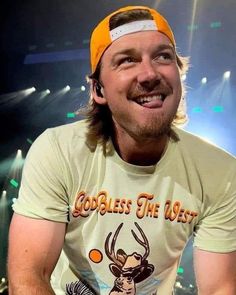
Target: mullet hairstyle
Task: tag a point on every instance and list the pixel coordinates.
(100, 124)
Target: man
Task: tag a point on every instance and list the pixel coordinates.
(123, 191)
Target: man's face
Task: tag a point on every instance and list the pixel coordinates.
(142, 86)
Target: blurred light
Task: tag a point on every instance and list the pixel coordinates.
(227, 74)
(14, 200)
(215, 25)
(82, 88)
(67, 88)
(218, 109)
(29, 140)
(14, 183)
(183, 77)
(178, 285)
(4, 193)
(43, 94)
(29, 91)
(180, 270)
(3, 280)
(197, 110)
(70, 115)
(19, 153)
(204, 80)
(193, 27)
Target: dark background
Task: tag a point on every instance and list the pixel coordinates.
(45, 44)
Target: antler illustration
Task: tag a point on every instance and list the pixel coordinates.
(144, 243)
(128, 269)
(111, 253)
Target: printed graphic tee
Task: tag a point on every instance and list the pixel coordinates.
(127, 225)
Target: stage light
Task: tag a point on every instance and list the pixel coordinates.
(183, 77)
(29, 140)
(218, 109)
(70, 115)
(197, 110)
(204, 80)
(4, 193)
(28, 91)
(43, 94)
(227, 75)
(14, 183)
(193, 27)
(180, 270)
(215, 25)
(82, 88)
(19, 154)
(178, 285)
(67, 88)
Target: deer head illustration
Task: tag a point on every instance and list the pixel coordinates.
(128, 269)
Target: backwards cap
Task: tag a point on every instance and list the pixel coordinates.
(102, 36)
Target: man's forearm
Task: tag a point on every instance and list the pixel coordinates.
(30, 287)
(224, 290)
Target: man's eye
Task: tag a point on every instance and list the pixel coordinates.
(126, 60)
(165, 57)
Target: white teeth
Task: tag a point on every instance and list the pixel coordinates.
(142, 100)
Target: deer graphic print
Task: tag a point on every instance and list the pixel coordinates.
(128, 269)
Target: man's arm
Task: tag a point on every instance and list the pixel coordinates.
(34, 248)
(215, 272)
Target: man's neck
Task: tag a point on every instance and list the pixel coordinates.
(142, 152)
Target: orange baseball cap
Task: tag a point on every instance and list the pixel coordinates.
(102, 36)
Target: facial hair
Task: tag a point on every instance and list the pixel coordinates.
(157, 126)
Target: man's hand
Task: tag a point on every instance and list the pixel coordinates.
(34, 248)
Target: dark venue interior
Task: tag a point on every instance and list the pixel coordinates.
(44, 58)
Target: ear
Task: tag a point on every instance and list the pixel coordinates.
(115, 270)
(98, 96)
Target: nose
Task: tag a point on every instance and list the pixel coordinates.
(148, 74)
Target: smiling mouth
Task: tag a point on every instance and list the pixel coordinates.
(150, 99)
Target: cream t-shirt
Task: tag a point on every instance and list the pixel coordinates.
(127, 225)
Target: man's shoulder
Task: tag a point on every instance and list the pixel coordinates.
(67, 134)
(75, 129)
(66, 138)
(198, 147)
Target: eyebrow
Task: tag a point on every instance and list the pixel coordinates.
(165, 46)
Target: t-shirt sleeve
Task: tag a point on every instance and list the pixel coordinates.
(216, 231)
(43, 190)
